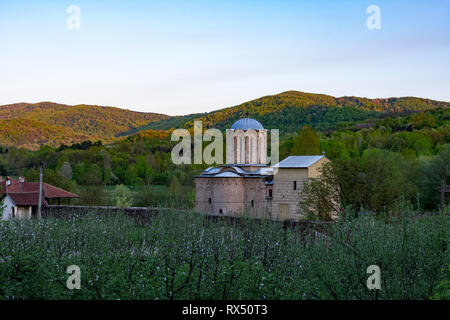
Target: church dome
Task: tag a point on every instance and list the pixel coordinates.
(247, 124)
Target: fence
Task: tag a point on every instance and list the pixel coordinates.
(144, 215)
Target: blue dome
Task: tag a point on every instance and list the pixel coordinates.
(247, 124)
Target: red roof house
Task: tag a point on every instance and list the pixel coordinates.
(22, 198)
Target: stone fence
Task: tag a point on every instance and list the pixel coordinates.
(144, 215)
(62, 211)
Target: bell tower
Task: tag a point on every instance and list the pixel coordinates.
(247, 143)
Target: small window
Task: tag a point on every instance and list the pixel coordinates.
(270, 193)
(209, 200)
(295, 185)
(253, 203)
(220, 211)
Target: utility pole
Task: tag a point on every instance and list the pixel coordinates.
(40, 191)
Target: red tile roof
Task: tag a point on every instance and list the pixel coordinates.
(27, 199)
(28, 188)
(48, 190)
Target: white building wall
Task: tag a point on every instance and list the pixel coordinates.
(9, 204)
(254, 153)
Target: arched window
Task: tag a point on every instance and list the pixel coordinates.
(247, 150)
(235, 149)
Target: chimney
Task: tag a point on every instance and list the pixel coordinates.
(21, 179)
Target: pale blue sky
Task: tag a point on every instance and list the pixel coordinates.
(179, 57)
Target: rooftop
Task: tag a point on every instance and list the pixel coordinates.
(231, 171)
(27, 199)
(28, 191)
(298, 161)
(247, 124)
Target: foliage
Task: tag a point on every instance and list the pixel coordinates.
(319, 200)
(183, 255)
(122, 196)
(2, 207)
(306, 143)
(442, 290)
(32, 125)
(92, 195)
(66, 171)
(291, 110)
(413, 145)
(373, 181)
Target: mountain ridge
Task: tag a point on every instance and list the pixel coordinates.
(83, 122)
(30, 125)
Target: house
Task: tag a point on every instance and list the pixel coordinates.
(21, 199)
(247, 185)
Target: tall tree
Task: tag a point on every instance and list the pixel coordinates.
(306, 143)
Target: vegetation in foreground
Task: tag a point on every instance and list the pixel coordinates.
(183, 255)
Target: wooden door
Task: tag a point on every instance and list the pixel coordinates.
(283, 213)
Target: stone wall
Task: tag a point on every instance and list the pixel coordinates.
(142, 214)
(284, 193)
(145, 215)
(314, 170)
(231, 196)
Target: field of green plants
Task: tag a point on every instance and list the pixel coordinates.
(183, 255)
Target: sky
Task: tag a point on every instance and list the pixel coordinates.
(181, 57)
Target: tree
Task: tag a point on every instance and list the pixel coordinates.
(131, 175)
(92, 195)
(122, 196)
(319, 200)
(175, 189)
(306, 143)
(145, 196)
(375, 181)
(93, 175)
(66, 171)
(432, 173)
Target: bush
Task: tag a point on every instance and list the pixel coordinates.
(187, 256)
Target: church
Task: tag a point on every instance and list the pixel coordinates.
(246, 185)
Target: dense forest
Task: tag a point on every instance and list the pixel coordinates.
(377, 162)
(32, 125)
(46, 123)
(271, 106)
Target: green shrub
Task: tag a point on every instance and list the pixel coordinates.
(183, 255)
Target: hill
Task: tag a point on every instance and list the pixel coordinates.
(30, 125)
(290, 110)
(32, 134)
